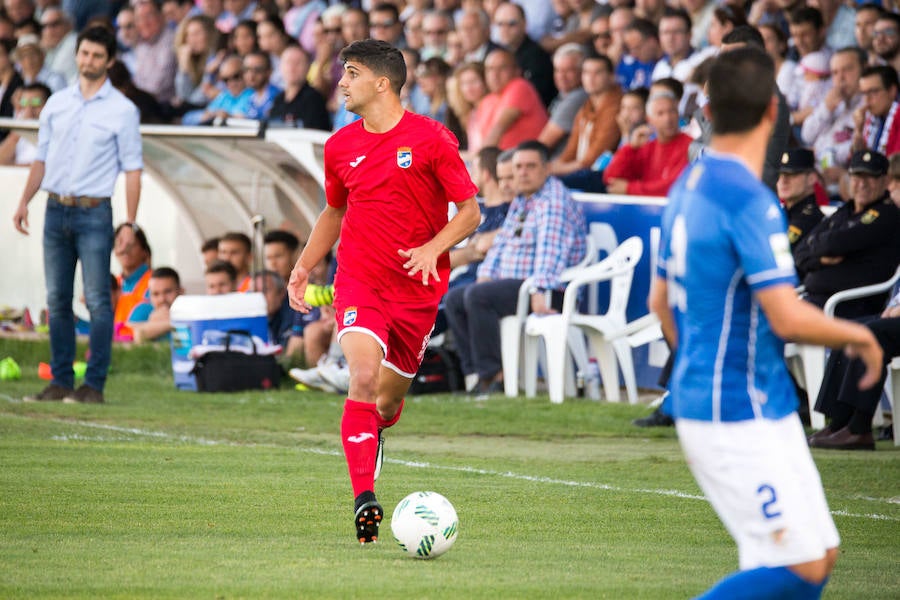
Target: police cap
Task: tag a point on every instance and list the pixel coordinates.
(797, 160)
(868, 162)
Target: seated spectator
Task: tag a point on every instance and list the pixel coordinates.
(233, 101)
(220, 277)
(176, 11)
(58, 41)
(543, 233)
(814, 83)
(326, 68)
(876, 124)
(385, 24)
(574, 23)
(150, 109)
(512, 112)
(886, 39)
(858, 244)
(280, 315)
(829, 129)
(300, 19)
(675, 43)
(242, 40)
(257, 70)
(432, 77)
(465, 91)
(866, 16)
(595, 124)
(645, 166)
(299, 105)
(273, 40)
(150, 321)
(642, 43)
(354, 25)
(155, 61)
(236, 12)
(199, 50)
(30, 100)
(474, 29)
(236, 248)
(436, 25)
(632, 113)
(281, 249)
(10, 81)
(133, 253)
(567, 62)
(894, 178)
(126, 36)
(776, 44)
(796, 189)
(29, 59)
(210, 251)
(533, 61)
(851, 409)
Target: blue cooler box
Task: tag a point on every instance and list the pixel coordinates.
(194, 317)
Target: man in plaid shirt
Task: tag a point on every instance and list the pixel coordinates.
(544, 233)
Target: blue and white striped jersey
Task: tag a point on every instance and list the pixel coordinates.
(723, 238)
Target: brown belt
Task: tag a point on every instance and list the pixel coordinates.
(81, 201)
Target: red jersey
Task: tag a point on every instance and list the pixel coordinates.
(396, 187)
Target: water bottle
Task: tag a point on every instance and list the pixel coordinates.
(592, 380)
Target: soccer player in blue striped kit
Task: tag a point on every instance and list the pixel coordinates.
(724, 292)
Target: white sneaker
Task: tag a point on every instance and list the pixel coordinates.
(336, 374)
(313, 379)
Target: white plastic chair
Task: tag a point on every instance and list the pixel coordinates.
(894, 396)
(807, 363)
(601, 238)
(562, 333)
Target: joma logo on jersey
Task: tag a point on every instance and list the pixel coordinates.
(404, 157)
(350, 316)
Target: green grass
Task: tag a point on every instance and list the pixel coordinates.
(165, 494)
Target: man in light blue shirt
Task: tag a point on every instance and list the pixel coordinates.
(724, 293)
(88, 134)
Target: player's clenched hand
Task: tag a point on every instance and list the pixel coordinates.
(297, 288)
(421, 260)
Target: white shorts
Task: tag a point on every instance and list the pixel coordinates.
(761, 480)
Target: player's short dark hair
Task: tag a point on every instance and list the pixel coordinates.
(281, 236)
(237, 236)
(807, 14)
(744, 34)
(139, 236)
(222, 266)
(99, 35)
(678, 13)
(887, 74)
(741, 85)
(166, 273)
(672, 85)
(535, 146)
(380, 57)
(210, 244)
(487, 160)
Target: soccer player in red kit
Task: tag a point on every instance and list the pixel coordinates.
(388, 180)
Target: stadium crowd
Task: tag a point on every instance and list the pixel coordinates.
(614, 91)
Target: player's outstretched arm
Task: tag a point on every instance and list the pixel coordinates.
(795, 320)
(423, 260)
(324, 235)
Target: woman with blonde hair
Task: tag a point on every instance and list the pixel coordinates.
(465, 90)
(198, 53)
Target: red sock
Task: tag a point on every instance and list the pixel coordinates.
(384, 424)
(359, 435)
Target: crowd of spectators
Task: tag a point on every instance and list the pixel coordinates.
(613, 90)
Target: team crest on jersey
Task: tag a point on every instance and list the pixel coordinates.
(404, 157)
(349, 316)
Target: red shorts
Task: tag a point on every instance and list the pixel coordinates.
(401, 328)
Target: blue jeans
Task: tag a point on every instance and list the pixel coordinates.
(71, 234)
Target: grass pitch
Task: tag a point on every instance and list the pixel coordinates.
(166, 494)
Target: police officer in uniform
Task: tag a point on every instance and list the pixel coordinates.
(796, 188)
(858, 245)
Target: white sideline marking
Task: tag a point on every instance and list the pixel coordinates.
(423, 465)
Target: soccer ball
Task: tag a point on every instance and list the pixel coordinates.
(425, 524)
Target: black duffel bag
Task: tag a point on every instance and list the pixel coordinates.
(231, 370)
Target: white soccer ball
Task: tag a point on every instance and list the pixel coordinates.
(425, 524)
